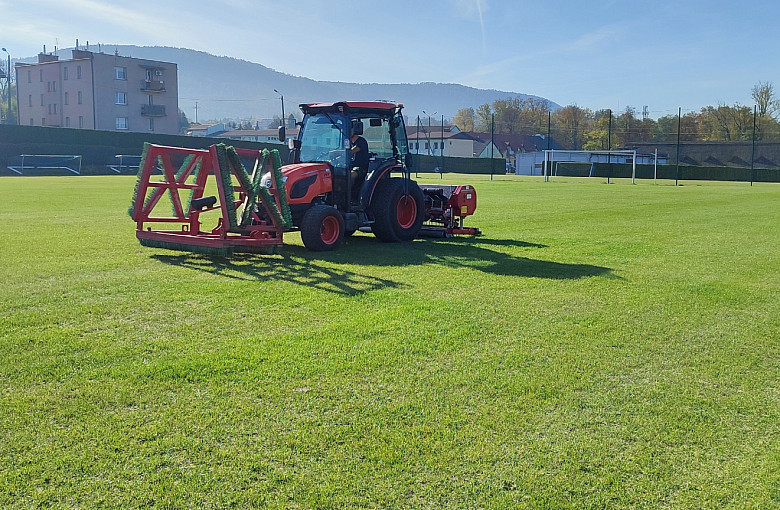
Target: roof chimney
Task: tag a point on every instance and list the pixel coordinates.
(77, 44)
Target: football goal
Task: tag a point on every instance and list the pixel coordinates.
(553, 157)
(69, 162)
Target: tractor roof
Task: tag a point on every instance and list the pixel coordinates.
(347, 106)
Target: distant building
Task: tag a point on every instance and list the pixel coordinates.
(259, 135)
(515, 149)
(99, 91)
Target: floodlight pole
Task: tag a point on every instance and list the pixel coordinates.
(8, 86)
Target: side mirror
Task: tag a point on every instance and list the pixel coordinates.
(293, 144)
(282, 135)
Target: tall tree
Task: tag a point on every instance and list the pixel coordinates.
(570, 125)
(763, 94)
(465, 119)
(484, 118)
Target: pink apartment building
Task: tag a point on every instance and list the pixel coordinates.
(99, 91)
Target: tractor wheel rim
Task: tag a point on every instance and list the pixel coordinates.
(329, 230)
(406, 212)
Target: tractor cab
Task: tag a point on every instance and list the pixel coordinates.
(326, 137)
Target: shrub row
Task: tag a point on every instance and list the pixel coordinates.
(687, 172)
(97, 148)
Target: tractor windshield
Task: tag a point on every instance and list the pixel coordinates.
(324, 139)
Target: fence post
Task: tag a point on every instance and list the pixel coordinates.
(679, 122)
(753, 151)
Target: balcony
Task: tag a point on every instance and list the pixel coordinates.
(152, 86)
(153, 110)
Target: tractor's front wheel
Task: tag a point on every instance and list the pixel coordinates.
(322, 228)
(399, 210)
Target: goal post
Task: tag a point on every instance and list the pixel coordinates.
(581, 156)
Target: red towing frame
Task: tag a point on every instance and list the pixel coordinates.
(230, 234)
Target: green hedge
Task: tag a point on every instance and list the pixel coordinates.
(687, 172)
(425, 163)
(98, 148)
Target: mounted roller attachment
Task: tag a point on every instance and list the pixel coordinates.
(248, 217)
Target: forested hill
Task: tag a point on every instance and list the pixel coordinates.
(229, 87)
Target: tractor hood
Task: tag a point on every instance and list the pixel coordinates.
(304, 181)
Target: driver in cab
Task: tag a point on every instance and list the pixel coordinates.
(360, 155)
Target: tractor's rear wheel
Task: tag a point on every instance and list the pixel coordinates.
(399, 210)
(322, 228)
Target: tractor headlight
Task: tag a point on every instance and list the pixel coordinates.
(266, 180)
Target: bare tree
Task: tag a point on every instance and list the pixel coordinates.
(764, 95)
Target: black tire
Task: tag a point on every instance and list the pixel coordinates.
(322, 228)
(398, 216)
(349, 233)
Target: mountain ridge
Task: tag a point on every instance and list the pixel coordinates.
(228, 87)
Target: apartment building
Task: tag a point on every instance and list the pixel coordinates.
(99, 91)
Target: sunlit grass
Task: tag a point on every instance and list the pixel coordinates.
(600, 346)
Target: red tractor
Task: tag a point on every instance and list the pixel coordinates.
(323, 192)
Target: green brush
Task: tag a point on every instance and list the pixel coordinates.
(131, 209)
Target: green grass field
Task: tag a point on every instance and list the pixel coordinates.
(601, 346)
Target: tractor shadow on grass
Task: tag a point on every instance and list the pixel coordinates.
(286, 268)
(466, 253)
(322, 271)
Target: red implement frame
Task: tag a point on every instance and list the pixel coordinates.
(259, 236)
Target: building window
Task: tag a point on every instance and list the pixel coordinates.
(54, 86)
(48, 86)
(40, 71)
(42, 103)
(29, 100)
(81, 121)
(29, 79)
(150, 100)
(66, 98)
(79, 97)
(121, 122)
(67, 121)
(49, 109)
(43, 121)
(148, 75)
(426, 145)
(78, 72)
(121, 98)
(435, 145)
(120, 73)
(32, 122)
(64, 73)
(151, 124)
(54, 107)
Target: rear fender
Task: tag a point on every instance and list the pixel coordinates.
(369, 186)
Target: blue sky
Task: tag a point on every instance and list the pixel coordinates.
(599, 53)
